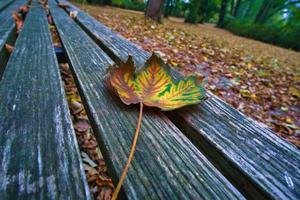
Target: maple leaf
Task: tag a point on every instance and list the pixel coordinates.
(153, 85)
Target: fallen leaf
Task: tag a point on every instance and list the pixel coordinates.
(87, 159)
(294, 92)
(73, 14)
(105, 194)
(75, 107)
(18, 21)
(23, 9)
(90, 170)
(154, 86)
(9, 48)
(81, 125)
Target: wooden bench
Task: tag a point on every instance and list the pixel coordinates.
(258, 162)
(166, 165)
(39, 155)
(207, 151)
(7, 29)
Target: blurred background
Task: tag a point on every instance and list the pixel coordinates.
(272, 21)
(244, 51)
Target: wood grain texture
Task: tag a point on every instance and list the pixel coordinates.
(250, 154)
(255, 159)
(7, 31)
(166, 164)
(114, 44)
(39, 155)
(4, 4)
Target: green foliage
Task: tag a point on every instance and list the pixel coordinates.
(222, 15)
(192, 13)
(202, 11)
(130, 4)
(101, 2)
(272, 21)
(212, 11)
(81, 1)
(285, 36)
(174, 8)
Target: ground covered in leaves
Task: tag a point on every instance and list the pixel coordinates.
(260, 80)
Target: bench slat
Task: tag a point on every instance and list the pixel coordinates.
(114, 45)
(166, 164)
(244, 149)
(39, 155)
(4, 4)
(254, 158)
(7, 30)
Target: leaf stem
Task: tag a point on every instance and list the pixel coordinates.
(130, 157)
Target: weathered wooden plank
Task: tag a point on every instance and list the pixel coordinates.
(4, 4)
(166, 165)
(114, 44)
(238, 146)
(7, 31)
(39, 155)
(246, 152)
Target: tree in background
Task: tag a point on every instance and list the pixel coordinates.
(154, 9)
(271, 21)
(192, 14)
(101, 2)
(259, 11)
(200, 11)
(237, 6)
(270, 7)
(222, 13)
(170, 5)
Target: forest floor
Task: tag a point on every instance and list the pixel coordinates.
(260, 80)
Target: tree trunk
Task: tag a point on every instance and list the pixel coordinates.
(262, 12)
(249, 9)
(232, 7)
(154, 9)
(168, 8)
(101, 2)
(193, 11)
(237, 7)
(270, 7)
(222, 13)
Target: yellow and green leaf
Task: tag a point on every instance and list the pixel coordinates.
(154, 86)
(176, 95)
(152, 79)
(123, 82)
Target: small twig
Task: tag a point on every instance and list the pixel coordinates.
(130, 157)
